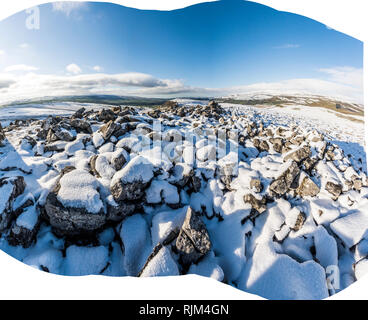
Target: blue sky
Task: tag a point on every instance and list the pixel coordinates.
(213, 48)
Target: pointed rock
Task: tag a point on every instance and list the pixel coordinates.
(193, 241)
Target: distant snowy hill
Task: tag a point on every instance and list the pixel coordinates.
(262, 99)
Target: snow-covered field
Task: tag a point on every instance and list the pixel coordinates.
(41, 111)
(273, 201)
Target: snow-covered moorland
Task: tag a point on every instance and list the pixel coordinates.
(273, 201)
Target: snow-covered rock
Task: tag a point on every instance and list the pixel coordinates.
(264, 199)
(130, 182)
(351, 228)
(161, 264)
(75, 205)
(193, 241)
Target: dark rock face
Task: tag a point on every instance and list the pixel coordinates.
(11, 188)
(309, 164)
(282, 184)
(277, 144)
(119, 161)
(108, 129)
(256, 185)
(181, 175)
(68, 220)
(57, 132)
(299, 221)
(307, 188)
(193, 241)
(81, 126)
(297, 140)
(357, 183)
(2, 135)
(120, 212)
(107, 115)
(130, 183)
(71, 221)
(130, 192)
(258, 205)
(334, 189)
(20, 236)
(196, 183)
(263, 146)
(299, 155)
(79, 113)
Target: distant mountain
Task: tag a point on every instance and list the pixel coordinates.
(101, 99)
(288, 100)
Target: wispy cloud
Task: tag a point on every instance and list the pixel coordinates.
(6, 81)
(38, 85)
(29, 85)
(73, 68)
(24, 45)
(68, 7)
(288, 46)
(97, 68)
(20, 68)
(346, 75)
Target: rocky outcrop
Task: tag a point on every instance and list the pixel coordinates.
(106, 115)
(129, 183)
(10, 189)
(257, 204)
(2, 136)
(25, 228)
(256, 185)
(281, 185)
(57, 132)
(307, 188)
(81, 125)
(334, 189)
(193, 241)
(70, 214)
(108, 129)
(299, 154)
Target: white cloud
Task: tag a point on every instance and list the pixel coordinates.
(97, 68)
(6, 81)
(288, 46)
(31, 85)
(34, 85)
(20, 67)
(67, 7)
(345, 75)
(24, 45)
(73, 68)
(2, 52)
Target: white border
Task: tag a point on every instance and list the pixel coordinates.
(19, 281)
